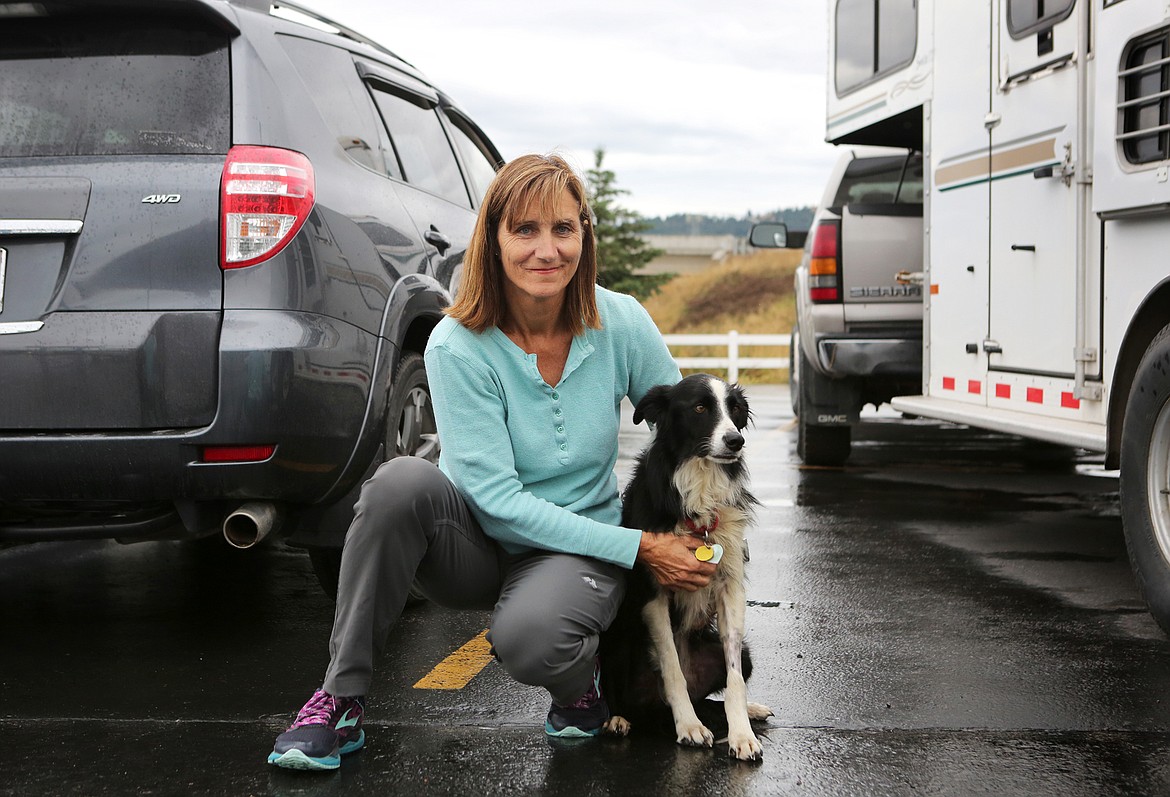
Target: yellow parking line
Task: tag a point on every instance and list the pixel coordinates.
(456, 670)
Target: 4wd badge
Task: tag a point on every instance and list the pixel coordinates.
(161, 199)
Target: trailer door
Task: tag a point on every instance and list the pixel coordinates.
(1033, 199)
(958, 203)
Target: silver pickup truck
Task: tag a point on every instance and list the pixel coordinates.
(858, 336)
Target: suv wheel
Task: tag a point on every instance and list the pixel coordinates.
(410, 416)
(410, 432)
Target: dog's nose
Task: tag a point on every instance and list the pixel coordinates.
(733, 440)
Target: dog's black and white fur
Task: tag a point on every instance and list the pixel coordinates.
(680, 647)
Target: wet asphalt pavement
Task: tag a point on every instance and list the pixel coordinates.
(952, 613)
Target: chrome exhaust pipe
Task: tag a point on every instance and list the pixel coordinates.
(250, 523)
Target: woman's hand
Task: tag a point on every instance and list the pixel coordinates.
(671, 559)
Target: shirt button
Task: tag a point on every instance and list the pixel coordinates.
(563, 446)
(557, 412)
(556, 395)
(560, 428)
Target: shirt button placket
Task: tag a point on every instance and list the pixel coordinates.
(559, 427)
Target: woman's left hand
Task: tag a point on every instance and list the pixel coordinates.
(671, 560)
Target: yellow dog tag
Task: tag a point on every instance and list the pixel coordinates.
(709, 553)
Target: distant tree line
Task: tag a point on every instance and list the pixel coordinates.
(797, 219)
(621, 250)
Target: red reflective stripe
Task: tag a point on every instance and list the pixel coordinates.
(1003, 391)
(948, 383)
(237, 453)
(974, 386)
(1067, 400)
(1035, 395)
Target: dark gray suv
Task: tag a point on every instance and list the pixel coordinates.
(225, 235)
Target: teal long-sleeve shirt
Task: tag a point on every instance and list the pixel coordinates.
(535, 462)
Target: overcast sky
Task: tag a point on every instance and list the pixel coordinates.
(702, 107)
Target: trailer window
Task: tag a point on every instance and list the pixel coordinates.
(873, 38)
(1028, 16)
(1144, 109)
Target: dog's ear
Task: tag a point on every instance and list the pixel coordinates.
(653, 404)
(738, 406)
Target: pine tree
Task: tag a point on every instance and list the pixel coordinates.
(621, 251)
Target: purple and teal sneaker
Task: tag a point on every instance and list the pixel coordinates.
(326, 728)
(582, 718)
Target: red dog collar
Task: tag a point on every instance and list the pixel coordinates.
(702, 531)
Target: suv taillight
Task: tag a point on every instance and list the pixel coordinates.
(824, 277)
(265, 196)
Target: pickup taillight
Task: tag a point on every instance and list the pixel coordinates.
(824, 273)
(266, 194)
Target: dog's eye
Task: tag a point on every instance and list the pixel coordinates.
(700, 408)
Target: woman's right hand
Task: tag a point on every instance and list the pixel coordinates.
(671, 559)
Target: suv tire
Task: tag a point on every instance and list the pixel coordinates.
(410, 432)
(410, 416)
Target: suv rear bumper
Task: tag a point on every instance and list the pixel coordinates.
(287, 379)
(870, 357)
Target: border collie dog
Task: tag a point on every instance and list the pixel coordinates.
(676, 648)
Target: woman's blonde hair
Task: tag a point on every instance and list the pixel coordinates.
(542, 179)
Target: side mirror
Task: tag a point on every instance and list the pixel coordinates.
(769, 235)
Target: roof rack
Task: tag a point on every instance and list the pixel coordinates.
(342, 30)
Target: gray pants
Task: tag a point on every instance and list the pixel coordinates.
(412, 526)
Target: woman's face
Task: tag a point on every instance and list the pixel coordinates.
(540, 250)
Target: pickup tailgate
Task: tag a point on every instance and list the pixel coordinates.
(877, 242)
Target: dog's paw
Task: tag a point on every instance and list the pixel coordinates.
(616, 726)
(758, 711)
(745, 747)
(694, 734)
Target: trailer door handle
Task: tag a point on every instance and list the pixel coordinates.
(1023, 247)
(992, 347)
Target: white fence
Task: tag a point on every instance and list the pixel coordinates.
(732, 362)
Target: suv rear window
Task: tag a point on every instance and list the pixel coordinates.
(122, 86)
(888, 180)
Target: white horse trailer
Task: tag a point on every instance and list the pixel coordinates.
(1045, 128)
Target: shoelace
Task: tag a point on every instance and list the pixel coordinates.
(318, 711)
